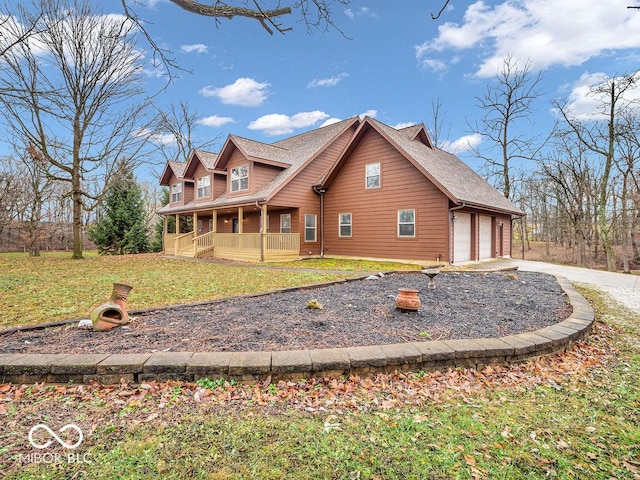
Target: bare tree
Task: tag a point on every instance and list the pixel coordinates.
(569, 169)
(174, 132)
(599, 135)
(17, 25)
(72, 92)
(438, 123)
(504, 105)
(11, 183)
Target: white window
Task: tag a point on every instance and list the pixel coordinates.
(240, 178)
(372, 175)
(406, 223)
(285, 223)
(344, 224)
(310, 222)
(176, 192)
(204, 187)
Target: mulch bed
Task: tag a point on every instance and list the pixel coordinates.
(354, 313)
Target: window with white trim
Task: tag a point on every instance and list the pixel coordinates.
(406, 223)
(285, 223)
(204, 186)
(344, 224)
(372, 175)
(176, 192)
(240, 178)
(310, 227)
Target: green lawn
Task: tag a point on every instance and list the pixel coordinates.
(575, 415)
(53, 287)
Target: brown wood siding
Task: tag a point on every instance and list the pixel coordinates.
(219, 185)
(260, 174)
(187, 192)
(375, 211)
(299, 193)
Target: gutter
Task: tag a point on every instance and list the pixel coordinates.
(321, 191)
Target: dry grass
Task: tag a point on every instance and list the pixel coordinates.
(53, 287)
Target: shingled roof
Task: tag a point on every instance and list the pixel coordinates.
(450, 174)
(299, 149)
(175, 168)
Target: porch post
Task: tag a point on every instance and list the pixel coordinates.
(214, 221)
(240, 220)
(195, 223)
(165, 230)
(177, 223)
(263, 231)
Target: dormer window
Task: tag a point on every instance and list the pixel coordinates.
(176, 192)
(204, 187)
(240, 178)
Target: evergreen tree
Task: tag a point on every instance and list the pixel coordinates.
(121, 227)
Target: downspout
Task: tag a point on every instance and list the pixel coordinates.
(261, 232)
(321, 191)
(452, 209)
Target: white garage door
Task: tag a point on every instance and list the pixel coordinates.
(462, 238)
(485, 237)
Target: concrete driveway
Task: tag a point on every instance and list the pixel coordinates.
(575, 274)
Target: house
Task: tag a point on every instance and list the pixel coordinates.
(356, 188)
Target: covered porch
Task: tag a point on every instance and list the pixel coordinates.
(235, 234)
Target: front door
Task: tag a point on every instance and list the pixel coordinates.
(235, 226)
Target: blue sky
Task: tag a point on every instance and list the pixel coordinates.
(395, 61)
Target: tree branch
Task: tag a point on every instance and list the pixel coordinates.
(221, 10)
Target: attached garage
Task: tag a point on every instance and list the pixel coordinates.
(485, 237)
(462, 238)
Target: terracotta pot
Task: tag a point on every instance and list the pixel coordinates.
(114, 312)
(407, 299)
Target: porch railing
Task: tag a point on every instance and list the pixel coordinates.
(184, 244)
(237, 246)
(281, 243)
(204, 243)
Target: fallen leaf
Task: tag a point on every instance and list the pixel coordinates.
(470, 460)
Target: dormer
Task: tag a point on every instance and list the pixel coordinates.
(250, 164)
(208, 182)
(180, 188)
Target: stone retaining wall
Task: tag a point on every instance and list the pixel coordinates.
(296, 364)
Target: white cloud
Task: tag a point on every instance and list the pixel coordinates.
(369, 113)
(196, 47)
(327, 82)
(156, 137)
(330, 121)
(585, 104)
(463, 144)
(400, 125)
(278, 124)
(360, 12)
(548, 32)
(216, 121)
(245, 92)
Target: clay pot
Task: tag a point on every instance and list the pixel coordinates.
(407, 299)
(114, 312)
